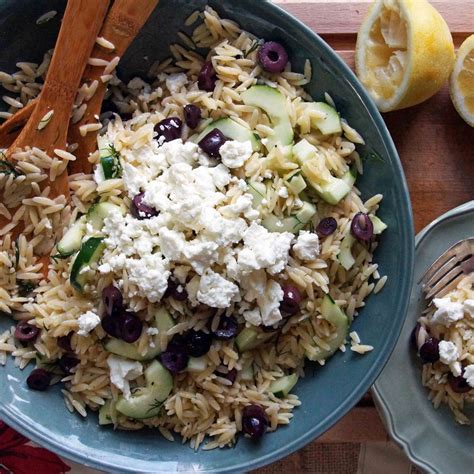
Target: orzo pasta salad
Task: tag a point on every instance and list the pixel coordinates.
(220, 243)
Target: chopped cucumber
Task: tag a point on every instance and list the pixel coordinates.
(330, 123)
(107, 412)
(90, 253)
(109, 159)
(292, 223)
(345, 253)
(197, 364)
(304, 151)
(233, 130)
(379, 224)
(98, 212)
(258, 191)
(297, 184)
(333, 314)
(72, 239)
(163, 320)
(282, 386)
(130, 350)
(146, 402)
(250, 338)
(273, 102)
(246, 374)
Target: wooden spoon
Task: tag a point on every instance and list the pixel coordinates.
(80, 25)
(122, 24)
(124, 20)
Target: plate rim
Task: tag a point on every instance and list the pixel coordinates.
(382, 405)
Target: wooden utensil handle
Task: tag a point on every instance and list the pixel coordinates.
(123, 22)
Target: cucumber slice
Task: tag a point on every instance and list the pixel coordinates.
(292, 223)
(146, 402)
(282, 386)
(197, 364)
(130, 350)
(258, 191)
(90, 253)
(297, 184)
(271, 101)
(304, 151)
(109, 159)
(332, 313)
(246, 374)
(72, 239)
(250, 338)
(98, 212)
(379, 224)
(163, 320)
(345, 253)
(328, 125)
(233, 130)
(107, 412)
(333, 190)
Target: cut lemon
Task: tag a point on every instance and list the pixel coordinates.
(462, 81)
(404, 53)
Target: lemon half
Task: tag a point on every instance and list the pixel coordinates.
(404, 52)
(462, 81)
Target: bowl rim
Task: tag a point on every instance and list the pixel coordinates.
(406, 230)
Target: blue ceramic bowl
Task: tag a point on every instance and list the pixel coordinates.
(326, 393)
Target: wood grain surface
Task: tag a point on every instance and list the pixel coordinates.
(437, 152)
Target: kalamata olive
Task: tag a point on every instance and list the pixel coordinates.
(177, 343)
(429, 351)
(131, 327)
(64, 342)
(212, 142)
(362, 227)
(227, 328)
(176, 290)
(113, 300)
(112, 325)
(290, 304)
(26, 332)
(108, 105)
(192, 115)
(140, 210)
(207, 77)
(458, 384)
(39, 379)
(198, 343)
(254, 421)
(67, 362)
(230, 375)
(326, 226)
(175, 361)
(272, 57)
(169, 129)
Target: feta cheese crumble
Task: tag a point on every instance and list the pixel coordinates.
(234, 154)
(122, 371)
(469, 374)
(447, 311)
(307, 245)
(216, 291)
(448, 352)
(87, 322)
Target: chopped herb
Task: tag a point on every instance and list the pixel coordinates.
(17, 252)
(252, 48)
(7, 168)
(25, 287)
(153, 406)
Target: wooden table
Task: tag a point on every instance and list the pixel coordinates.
(437, 152)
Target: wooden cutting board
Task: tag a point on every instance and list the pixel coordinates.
(437, 152)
